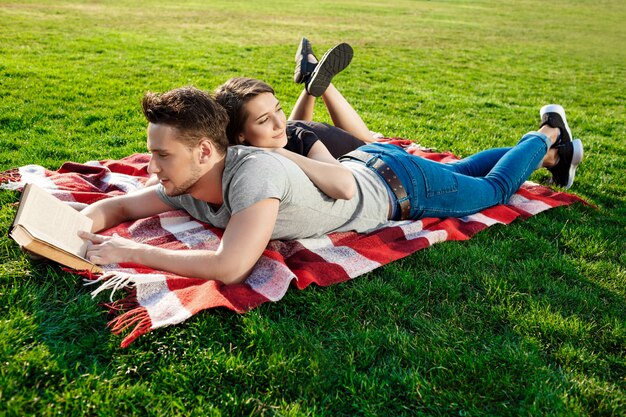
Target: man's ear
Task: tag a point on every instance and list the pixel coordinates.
(206, 150)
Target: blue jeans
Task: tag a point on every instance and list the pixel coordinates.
(457, 189)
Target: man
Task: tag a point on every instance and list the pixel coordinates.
(186, 160)
(257, 195)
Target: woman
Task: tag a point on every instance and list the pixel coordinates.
(257, 119)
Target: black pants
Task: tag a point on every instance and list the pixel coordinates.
(338, 141)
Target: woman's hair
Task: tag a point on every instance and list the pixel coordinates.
(194, 113)
(233, 96)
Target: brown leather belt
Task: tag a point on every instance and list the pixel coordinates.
(373, 161)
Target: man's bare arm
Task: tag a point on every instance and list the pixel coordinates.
(113, 211)
(246, 236)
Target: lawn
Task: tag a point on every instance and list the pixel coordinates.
(526, 319)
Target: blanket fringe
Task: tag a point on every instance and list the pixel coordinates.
(125, 304)
(11, 179)
(110, 281)
(138, 317)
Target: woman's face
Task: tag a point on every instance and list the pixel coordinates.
(265, 126)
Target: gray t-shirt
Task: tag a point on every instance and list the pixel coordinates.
(252, 175)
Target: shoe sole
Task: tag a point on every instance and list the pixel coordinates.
(298, 74)
(332, 63)
(555, 108)
(577, 157)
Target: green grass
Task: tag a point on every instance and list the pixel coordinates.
(527, 319)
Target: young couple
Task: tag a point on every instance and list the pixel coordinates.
(256, 195)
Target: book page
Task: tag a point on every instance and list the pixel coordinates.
(48, 218)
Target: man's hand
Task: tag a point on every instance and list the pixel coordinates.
(104, 250)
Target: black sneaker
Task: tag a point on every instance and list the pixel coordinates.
(553, 115)
(304, 68)
(570, 155)
(332, 63)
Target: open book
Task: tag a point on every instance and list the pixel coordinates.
(48, 227)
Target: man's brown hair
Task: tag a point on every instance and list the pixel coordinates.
(233, 95)
(193, 112)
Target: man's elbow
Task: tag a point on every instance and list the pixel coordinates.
(234, 279)
(230, 275)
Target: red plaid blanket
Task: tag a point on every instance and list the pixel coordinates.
(157, 298)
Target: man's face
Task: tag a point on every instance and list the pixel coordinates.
(176, 166)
